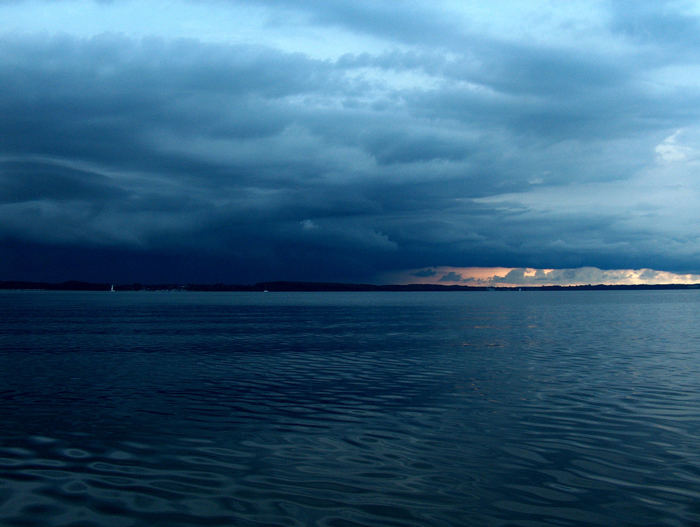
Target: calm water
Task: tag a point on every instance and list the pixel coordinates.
(349, 409)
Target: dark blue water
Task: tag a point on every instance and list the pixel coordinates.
(349, 409)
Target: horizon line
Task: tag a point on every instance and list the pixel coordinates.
(312, 286)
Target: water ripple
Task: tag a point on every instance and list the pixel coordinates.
(350, 410)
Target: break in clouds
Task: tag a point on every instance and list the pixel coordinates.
(243, 141)
(540, 277)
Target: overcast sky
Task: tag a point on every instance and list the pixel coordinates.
(239, 141)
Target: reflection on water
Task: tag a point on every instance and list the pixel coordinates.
(179, 409)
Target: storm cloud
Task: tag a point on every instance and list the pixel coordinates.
(239, 141)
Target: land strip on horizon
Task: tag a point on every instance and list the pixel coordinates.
(74, 285)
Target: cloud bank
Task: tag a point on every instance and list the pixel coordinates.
(491, 277)
(240, 141)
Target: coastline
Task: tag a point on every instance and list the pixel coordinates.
(289, 286)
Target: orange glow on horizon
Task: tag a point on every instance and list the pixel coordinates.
(527, 276)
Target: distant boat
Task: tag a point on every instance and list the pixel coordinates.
(112, 289)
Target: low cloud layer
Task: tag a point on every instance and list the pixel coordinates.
(239, 141)
(492, 277)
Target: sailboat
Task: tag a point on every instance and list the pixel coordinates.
(112, 289)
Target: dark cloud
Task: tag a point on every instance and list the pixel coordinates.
(425, 273)
(132, 156)
(451, 277)
(663, 25)
(409, 22)
(34, 180)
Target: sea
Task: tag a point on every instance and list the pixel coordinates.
(355, 409)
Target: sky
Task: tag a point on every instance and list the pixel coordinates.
(372, 141)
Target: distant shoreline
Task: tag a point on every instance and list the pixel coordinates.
(74, 285)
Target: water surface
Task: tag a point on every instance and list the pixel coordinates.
(349, 409)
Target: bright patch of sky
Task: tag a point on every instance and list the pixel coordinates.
(518, 277)
(214, 22)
